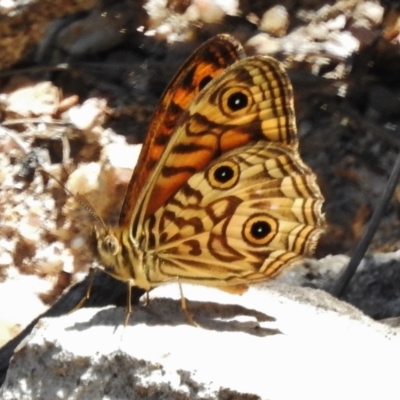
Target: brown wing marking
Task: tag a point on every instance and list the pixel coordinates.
(207, 62)
(252, 100)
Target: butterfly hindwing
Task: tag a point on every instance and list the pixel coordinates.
(247, 215)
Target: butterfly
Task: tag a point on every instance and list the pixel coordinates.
(219, 196)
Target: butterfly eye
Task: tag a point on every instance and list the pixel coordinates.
(235, 99)
(223, 175)
(110, 245)
(259, 229)
(204, 82)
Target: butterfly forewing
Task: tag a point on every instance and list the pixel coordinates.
(252, 100)
(210, 59)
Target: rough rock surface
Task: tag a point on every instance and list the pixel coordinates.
(273, 342)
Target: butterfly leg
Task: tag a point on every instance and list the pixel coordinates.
(147, 301)
(185, 309)
(128, 302)
(92, 273)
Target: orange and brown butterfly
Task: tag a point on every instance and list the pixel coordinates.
(220, 196)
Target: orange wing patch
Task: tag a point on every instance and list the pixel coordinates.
(213, 57)
(234, 112)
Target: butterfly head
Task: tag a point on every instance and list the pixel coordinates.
(109, 246)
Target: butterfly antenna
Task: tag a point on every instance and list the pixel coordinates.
(85, 203)
(351, 268)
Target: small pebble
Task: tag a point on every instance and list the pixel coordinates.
(275, 21)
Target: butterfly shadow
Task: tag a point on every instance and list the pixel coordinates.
(207, 315)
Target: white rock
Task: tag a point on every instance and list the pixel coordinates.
(29, 98)
(369, 11)
(122, 155)
(19, 298)
(337, 23)
(262, 43)
(86, 115)
(84, 179)
(29, 232)
(275, 21)
(342, 44)
(205, 10)
(276, 343)
(6, 259)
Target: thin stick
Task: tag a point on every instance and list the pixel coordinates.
(350, 270)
